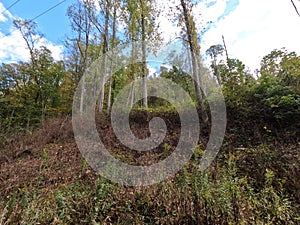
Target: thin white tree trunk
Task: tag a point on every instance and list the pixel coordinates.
(144, 63)
(112, 60)
(82, 94)
(104, 59)
(195, 56)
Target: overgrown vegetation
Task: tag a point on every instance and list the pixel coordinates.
(45, 180)
(220, 195)
(50, 183)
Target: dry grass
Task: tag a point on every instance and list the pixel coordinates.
(44, 180)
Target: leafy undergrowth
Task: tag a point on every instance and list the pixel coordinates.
(45, 180)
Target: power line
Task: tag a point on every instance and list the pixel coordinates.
(295, 7)
(36, 17)
(48, 10)
(9, 7)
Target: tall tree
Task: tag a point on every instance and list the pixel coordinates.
(79, 45)
(43, 73)
(144, 57)
(140, 19)
(28, 30)
(194, 48)
(214, 51)
(282, 66)
(103, 16)
(31, 95)
(131, 19)
(113, 44)
(105, 6)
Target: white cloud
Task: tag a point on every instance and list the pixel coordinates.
(255, 28)
(56, 50)
(4, 13)
(203, 14)
(251, 31)
(13, 47)
(95, 3)
(168, 29)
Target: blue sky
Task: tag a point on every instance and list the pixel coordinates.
(54, 24)
(252, 28)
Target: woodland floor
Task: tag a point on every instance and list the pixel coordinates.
(49, 158)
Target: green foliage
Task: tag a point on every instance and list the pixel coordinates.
(136, 11)
(220, 195)
(181, 78)
(284, 67)
(236, 81)
(30, 92)
(273, 97)
(276, 95)
(275, 100)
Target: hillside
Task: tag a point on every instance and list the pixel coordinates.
(45, 180)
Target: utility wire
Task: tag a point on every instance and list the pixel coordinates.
(48, 10)
(295, 7)
(38, 16)
(9, 7)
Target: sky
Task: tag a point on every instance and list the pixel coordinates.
(53, 25)
(252, 28)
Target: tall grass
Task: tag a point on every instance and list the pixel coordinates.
(222, 194)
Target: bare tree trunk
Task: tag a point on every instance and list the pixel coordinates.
(216, 70)
(81, 24)
(195, 56)
(131, 95)
(85, 64)
(226, 52)
(103, 64)
(82, 95)
(113, 58)
(109, 89)
(132, 73)
(144, 63)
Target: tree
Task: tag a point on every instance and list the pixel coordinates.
(214, 51)
(236, 81)
(283, 66)
(42, 73)
(144, 66)
(140, 19)
(80, 53)
(29, 96)
(113, 45)
(105, 6)
(181, 78)
(277, 91)
(194, 48)
(11, 82)
(30, 35)
(101, 15)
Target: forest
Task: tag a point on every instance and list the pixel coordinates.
(45, 178)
